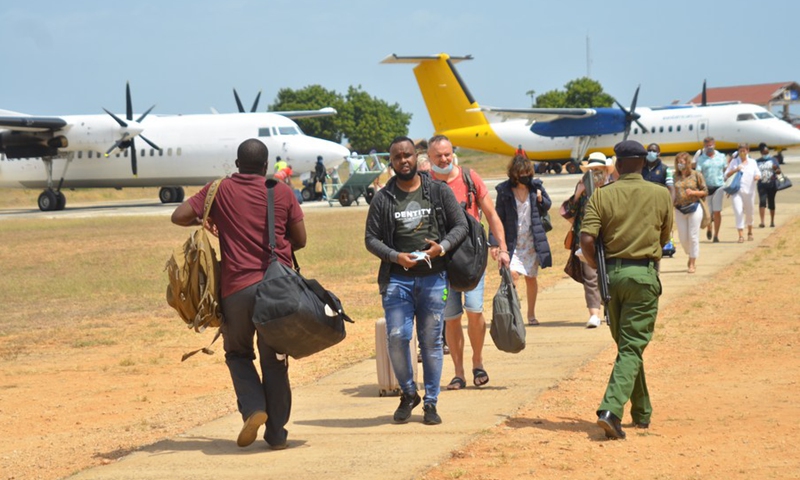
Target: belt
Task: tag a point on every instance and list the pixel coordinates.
(628, 261)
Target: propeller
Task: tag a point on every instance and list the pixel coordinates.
(130, 129)
(631, 115)
(704, 100)
(239, 102)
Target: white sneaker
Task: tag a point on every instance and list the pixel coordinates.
(594, 322)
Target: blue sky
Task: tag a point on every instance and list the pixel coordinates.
(74, 57)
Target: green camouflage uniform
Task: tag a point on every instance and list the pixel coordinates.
(634, 219)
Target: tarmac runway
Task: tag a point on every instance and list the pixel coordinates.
(557, 186)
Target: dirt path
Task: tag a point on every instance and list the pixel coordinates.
(724, 376)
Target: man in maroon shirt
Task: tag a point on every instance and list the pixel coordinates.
(239, 216)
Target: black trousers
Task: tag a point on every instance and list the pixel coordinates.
(766, 195)
(269, 392)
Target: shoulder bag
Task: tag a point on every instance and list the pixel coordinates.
(732, 183)
(782, 182)
(706, 214)
(508, 326)
(293, 314)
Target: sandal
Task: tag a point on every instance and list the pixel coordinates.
(533, 321)
(480, 377)
(741, 239)
(750, 237)
(457, 383)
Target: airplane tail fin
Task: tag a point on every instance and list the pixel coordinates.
(450, 103)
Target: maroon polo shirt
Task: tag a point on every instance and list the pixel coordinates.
(240, 214)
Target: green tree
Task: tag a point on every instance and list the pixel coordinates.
(579, 93)
(312, 97)
(370, 122)
(551, 99)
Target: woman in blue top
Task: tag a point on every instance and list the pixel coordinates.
(519, 200)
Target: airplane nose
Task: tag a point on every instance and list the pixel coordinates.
(333, 153)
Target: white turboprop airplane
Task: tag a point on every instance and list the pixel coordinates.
(564, 135)
(181, 150)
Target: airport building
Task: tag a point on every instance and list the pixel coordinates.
(767, 95)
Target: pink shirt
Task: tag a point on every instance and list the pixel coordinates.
(458, 187)
(240, 214)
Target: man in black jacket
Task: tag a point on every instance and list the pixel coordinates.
(402, 230)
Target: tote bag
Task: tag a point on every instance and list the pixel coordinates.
(508, 326)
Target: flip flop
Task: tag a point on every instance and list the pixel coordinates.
(457, 383)
(480, 377)
(533, 321)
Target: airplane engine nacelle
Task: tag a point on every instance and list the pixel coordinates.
(606, 121)
(58, 142)
(26, 145)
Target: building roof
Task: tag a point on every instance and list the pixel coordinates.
(762, 94)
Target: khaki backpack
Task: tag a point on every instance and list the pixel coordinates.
(194, 278)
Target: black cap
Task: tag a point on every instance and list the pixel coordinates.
(762, 146)
(629, 149)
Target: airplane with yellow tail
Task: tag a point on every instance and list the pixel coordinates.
(564, 135)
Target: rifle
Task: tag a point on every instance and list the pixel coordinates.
(600, 254)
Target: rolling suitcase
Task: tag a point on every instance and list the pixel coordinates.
(387, 382)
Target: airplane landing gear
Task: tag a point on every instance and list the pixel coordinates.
(171, 194)
(51, 200)
(573, 167)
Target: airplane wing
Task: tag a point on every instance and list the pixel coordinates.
(538, 114)
(322, 112)
(24, 123)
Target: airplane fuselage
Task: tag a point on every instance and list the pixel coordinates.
(194, 149)
(675, 129)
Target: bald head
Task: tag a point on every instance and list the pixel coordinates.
(252, 157)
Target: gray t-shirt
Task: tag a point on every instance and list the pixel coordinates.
(415, 221)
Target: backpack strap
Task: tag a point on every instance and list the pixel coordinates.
(438, 209)
(212, 192)
(472, 192)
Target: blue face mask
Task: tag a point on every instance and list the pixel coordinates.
(652, 156)
(442, 171)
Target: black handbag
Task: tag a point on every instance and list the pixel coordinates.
(508, 326)
(295, 315)
(782, 182)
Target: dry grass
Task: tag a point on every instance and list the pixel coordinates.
(85, 304)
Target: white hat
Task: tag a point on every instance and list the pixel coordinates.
(596, 160)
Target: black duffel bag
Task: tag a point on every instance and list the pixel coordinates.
(295, 315)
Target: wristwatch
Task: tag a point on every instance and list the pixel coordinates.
(442, 253)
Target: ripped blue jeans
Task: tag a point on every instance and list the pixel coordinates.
(424, 298)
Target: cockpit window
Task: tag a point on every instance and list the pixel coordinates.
(263, 132)
(763, 115)
(288, 131)
(745, 116)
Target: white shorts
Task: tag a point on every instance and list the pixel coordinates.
(714, 201)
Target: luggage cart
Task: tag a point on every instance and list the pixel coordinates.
(360, 183)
